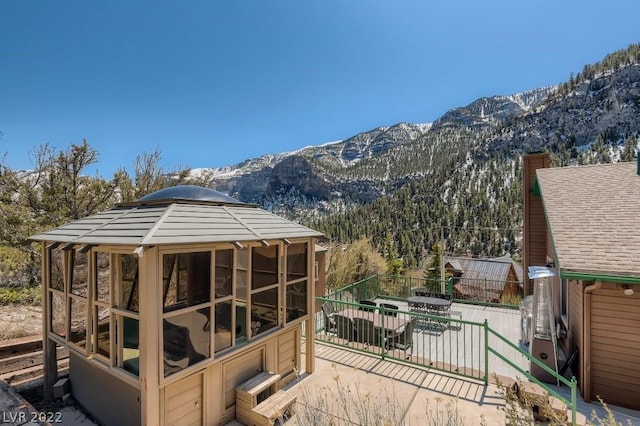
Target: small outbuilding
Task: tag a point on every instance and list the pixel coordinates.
(495, 280)
(169, 303)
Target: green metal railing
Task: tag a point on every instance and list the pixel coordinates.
(442, 343)
(571, 384)
(473, 291)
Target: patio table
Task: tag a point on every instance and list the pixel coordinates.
(426, 304)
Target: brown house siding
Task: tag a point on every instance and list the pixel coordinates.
(535, 233)
(615, 346)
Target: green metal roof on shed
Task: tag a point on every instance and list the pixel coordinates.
(178, 215)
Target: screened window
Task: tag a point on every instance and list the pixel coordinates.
(223, 330)
(224, 273)
(296, 300)
(78, 312)
(223, 308)
(115, 315)
(58, 315)
(265, 286)
(56, 269)
(242, 279)
(78, 303)
(297, 281)
(264, 311)
(186, 324)
(111, 314)
(102, 327)
(125, 312)
(186, 339)
(187, 279)
(296, 261)
(128, 283)
(264, 267)
(79, 273)
(103, 277)
(57, 321)
(242, 274)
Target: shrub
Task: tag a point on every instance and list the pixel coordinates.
(19, 267)
(20, 295)
(523, 408)
(352, 263)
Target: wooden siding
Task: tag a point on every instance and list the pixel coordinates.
(222, 378)
(289, 354)
(615, 346)
(183, 402)
(240, 369)
(535, 226)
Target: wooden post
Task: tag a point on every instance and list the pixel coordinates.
(49, 358)
(442, 285)
(309, 326)
(149, 292)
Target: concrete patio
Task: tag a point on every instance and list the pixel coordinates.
(419, 394)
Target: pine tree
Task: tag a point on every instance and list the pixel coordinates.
(432, 270)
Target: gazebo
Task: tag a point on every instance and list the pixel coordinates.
(167, 304)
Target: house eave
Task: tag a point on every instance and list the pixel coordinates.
(599, 276)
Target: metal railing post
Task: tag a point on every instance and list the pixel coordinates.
(486, 352)
(383, 337)
(485, 289)
(574, 402)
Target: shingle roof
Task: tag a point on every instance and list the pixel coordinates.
(594, 217)
(495, 269)
(177, 221)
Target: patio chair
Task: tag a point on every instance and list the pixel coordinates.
(329, 321)
(444, 310)
(367, 303)
(366, 332)
(405, 340)
(344, 327)
(421, 291)
(390, 309)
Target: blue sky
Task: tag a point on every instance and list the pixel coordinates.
(212, 83)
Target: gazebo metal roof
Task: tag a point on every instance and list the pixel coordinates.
(177, 215)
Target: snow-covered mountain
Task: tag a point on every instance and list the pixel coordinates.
(363, 167)
(340, 153)
(316, 181)
(310, 172)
